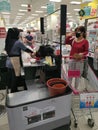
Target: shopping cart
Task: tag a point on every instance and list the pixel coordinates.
(75, 72)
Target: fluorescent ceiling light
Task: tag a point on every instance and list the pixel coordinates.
(69, 16)
(76, 9)
(24, 5)
(68, 13)
(21, 14)
(5, 13)
(6, 16)
(35, 14)
(38, 11)
(43, 7)
(75, 2)
(22, 10)
(29, 18)
(18, 16)
(56, 0)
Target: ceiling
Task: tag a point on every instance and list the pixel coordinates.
(14, 18)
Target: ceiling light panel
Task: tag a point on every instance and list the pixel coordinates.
(38, 11)
(75, 2)
(7, 13)
(76, 9)
(44, 7)
(22, 10)
(56, 0)
(20, 14)
(69, 16)
(35, 14)
(24, 5)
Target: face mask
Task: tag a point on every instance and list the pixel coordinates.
(78, 34)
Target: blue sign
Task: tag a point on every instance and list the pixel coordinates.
(5, 6)
(50, 7)
(87, 10)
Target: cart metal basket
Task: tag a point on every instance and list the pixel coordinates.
(75, 72)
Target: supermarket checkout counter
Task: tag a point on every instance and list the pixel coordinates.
(34, 108)
(92, 73)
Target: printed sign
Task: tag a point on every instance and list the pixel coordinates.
(73, 73)
(33, 115)
(50, 7)
(89, 100)
(5, 6)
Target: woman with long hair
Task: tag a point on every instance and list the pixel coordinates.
(13, 47)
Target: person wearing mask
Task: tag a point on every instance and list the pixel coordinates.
(13, 47)
(29, 38)
(79, 51)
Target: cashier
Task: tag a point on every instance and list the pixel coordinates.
(13, 47)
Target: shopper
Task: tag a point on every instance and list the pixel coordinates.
(13, 47)
(29, 38)
(79, 50)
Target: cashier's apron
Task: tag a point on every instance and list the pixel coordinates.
(15, 61)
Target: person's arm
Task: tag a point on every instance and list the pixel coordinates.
(69, 38)
(86, 49)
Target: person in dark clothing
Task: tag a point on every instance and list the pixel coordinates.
(29, 38)
(13, 47)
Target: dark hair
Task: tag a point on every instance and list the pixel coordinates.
(76, 29)
(12, 36)
(28, 32)
(83, 30)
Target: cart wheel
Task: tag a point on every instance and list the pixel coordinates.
(75, 124)
(91, 122)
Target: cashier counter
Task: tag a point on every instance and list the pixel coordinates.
(35, 109)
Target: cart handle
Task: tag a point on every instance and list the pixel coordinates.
(85, 56)
(71, 57)
(75, 91)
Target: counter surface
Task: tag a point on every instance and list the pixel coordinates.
(36, 92)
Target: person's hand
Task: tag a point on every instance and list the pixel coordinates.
(32, 55)
(77, 56)
(80, 55)
(71, 34)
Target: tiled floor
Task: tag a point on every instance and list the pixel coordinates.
(82, 123)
